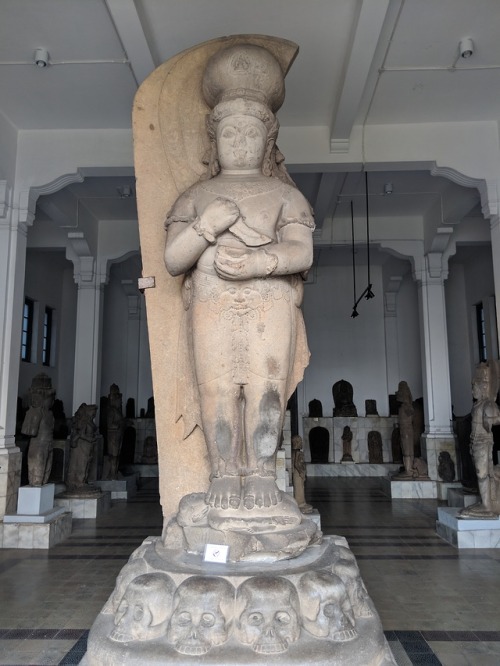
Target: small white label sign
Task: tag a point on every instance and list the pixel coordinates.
(215, 553)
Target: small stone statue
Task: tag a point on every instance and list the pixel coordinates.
(315, 409)
(115, 427)
(405, 415)
(343, 399)
(420, 469)
(485, 414)
(83, 441)
(150, 451)
(347, 445)
(39, 425)
(299, 474)
(371, 408)
(375, 455)
(446, 467)
(397, 456)
(150, 411)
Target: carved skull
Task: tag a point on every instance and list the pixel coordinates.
(133, 568)
(202, 616)
(267, 612)
(145, 608)
(347, 569)
(326, 609)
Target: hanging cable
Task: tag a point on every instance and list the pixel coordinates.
(368, 290)
(355, 313)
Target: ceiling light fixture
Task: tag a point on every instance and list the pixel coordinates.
(41, 58)
(125, 191)
(466, 47)
(388, 188)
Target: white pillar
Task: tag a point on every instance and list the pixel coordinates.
(133, 347)
(87, 374)
(391, 331)
(438, 434)
(13, 237)
(495, 251)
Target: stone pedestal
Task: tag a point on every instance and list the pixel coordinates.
(351, 469)
(443, 489)
(264, 613)
(458, 498)
(37, 523)
(120, 489)
(144, 471)
(467, 533)
(85, 507)
(411, 489)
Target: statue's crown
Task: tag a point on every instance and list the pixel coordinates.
(244, 71)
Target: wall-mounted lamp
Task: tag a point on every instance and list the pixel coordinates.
(466, 47)
(388, 188)
(41, 58)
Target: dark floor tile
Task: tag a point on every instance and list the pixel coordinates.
(488, 635)
(75, 655)
(437, 635)
(69, 634)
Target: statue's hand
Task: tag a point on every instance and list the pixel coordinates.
(231, 264)
(218, 216)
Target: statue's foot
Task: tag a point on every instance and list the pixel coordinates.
(260, 491)
(224, 492)
(478, 511)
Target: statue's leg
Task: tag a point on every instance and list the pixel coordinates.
(265, 403)
(36, 462)
(221, 409)
(48, 462)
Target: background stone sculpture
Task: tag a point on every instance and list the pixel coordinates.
(405, 418)
(115, 424)
(299, 474)
(375, 455)
(485, 414)
(82, 448)
(343, 399)
(39, 425)
(319, 444)
(446, 467)
(315, 408)
(347, 445)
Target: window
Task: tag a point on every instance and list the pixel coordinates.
(47, 335)
(481, 332)
(27, 332)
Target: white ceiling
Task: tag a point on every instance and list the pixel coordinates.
(360, 62)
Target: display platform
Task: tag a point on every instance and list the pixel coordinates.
(466, 532)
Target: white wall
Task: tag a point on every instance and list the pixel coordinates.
(342, 347)
(408, 317)
(49, 283)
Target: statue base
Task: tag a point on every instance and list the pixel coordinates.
(84, 506)
(409, 488)
(273, 612)
(120, 489)
(467, 532)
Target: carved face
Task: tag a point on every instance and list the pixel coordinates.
(267, 611)
(241, 142)
(145, 608)
(348, 572)
(326, 609)
(131, 570)
(203, 609)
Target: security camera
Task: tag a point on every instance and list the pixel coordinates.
(41, 57)
(466, 47)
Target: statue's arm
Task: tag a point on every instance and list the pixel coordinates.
(189, 237)
(291, 255)
(491, 415)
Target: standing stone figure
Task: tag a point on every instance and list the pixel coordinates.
(39, 425)
(242, 237)
(115, 428)
(347, 445)
(299, 474)
(405, 415)
(83, 441)
(485, 414)
(375, 449)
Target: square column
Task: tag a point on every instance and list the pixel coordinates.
(13, 239)
(438, 434)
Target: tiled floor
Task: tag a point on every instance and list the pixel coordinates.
(438, 605)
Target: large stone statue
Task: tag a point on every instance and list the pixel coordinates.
(240, 553)
(39, 425)
(485, 414)
(343, 394)
(83, 441)
(115, 424)
(243, 239)
(405, 418)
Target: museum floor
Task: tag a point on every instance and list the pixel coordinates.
(438, 605)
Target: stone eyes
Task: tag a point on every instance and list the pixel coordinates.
(207, 619)
(256, 619)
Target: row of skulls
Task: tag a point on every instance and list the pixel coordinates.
(265, 612)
